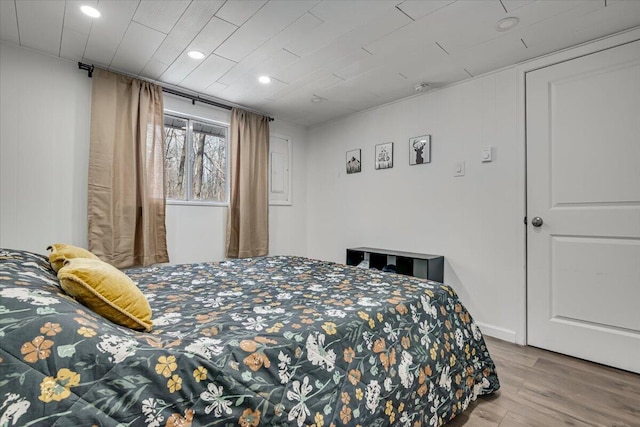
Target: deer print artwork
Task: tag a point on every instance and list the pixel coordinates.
(419, 150)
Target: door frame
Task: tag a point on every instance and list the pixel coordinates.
(584, 49)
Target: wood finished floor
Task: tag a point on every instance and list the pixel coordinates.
(546, 389)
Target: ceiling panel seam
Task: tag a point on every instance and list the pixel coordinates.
(64, 14)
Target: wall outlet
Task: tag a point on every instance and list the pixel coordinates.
(458, 168)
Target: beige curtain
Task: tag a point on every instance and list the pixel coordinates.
(126, 202)
(248, 216)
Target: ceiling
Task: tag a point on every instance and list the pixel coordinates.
(349, 55)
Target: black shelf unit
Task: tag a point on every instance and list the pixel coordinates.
(426, 266)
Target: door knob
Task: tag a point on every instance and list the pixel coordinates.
(537, 221)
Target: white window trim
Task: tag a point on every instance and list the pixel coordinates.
(189, 130)
(195, 203)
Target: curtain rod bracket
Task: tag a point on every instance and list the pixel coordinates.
(87, 67)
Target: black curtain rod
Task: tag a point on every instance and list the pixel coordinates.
(193, 98)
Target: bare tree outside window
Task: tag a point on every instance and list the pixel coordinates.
(210, 165)
(175, 134)
(195, 160)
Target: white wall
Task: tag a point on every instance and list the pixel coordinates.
(475, 221)
(44, 133)
(288, 224)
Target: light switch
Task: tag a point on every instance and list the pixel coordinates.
(487, 154)
(458, 168)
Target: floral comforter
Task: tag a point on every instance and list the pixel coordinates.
(264, 341)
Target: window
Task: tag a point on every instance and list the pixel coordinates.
(195, 160)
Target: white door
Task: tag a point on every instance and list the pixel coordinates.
(583, 181)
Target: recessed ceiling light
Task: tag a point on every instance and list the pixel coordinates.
(264, 79)
(195, 54)
(507, 23)
(90, 11)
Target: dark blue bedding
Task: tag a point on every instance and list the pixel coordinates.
(263, 341)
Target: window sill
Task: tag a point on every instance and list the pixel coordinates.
(196, 203)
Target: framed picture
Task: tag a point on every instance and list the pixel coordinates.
(384, 155)
(420, 150)
(353, 161)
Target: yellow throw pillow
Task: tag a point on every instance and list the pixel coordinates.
(61, 252)
(107, 291)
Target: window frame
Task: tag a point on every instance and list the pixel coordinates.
(191, 157)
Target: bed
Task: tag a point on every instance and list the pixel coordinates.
(263, 341)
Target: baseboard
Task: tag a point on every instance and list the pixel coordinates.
(497, 332)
